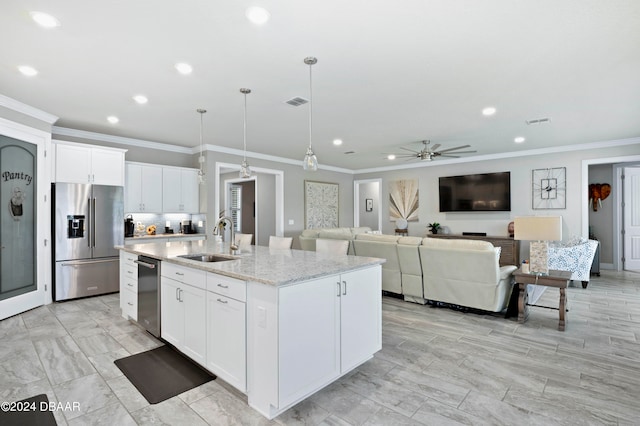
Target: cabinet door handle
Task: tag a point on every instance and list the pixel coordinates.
(223, 286)
(222, 301)
(180, 294)
(129, 303)
(338, 289)
(344, 292)
(130, 285)
(179, 273)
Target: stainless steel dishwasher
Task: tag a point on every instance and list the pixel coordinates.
(149, 294)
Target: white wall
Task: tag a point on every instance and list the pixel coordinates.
(495, 224)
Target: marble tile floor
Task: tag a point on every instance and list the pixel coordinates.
(437, 367)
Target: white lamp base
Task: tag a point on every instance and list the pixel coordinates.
(538, 257)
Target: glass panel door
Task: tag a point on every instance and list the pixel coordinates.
(18, 161)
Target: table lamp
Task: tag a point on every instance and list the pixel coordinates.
(539, 230)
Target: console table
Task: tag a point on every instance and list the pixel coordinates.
(510, 254)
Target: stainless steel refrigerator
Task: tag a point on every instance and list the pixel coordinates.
(87, 223)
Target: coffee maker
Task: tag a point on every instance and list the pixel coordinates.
(129, 226)
(187, 227)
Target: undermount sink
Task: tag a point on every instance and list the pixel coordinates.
(206, 257)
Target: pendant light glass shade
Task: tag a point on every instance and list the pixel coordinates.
(310, 162)
(202, 176)
(245, 170)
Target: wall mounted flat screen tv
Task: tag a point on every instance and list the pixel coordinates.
(488, 192)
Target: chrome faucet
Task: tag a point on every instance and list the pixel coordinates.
(233, 247)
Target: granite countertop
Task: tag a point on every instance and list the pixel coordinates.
(261, 264)
(151, 237)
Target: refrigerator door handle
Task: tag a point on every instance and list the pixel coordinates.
(93, 223)
(88, 222)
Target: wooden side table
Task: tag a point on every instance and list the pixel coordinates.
(557, 279)
(403, 232)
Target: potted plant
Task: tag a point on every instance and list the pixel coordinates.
(433, 227)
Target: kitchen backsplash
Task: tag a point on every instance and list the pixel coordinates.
(174, 220)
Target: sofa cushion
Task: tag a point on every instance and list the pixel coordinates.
(457, 244)
(377, 237)
(360, 230)
(310, 233)
(336, 234)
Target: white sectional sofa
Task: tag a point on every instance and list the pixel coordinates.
(458, 272)
(465, 273)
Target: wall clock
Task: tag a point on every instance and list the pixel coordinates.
(549, 188)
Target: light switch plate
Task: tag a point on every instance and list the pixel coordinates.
(291, 222)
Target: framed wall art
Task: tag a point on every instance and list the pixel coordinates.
(549, 188)
(403, 200)
(369, 204)
(320, 204)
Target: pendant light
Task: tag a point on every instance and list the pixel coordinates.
(245, 171)
(202, 176)
(310, 162)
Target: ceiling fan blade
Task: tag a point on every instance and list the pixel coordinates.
(462, 152)
(457, 147)
(435, 147)
(450, 156)
(410, 150)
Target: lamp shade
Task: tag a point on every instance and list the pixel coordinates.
(538, 228)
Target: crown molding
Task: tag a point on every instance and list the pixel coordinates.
(25, 109)
(63, 131)
(512, 154)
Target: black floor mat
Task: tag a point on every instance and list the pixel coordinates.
(162, 373)
(32, 411)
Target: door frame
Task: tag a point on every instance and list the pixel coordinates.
(279, 201)
(229, 182)
(618, 162)
(356, 200)
(42, 295)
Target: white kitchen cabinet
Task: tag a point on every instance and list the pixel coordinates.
(314, 331)
(143, 188)
(226, 329)
(80, 163)
(183, 310)
(180, 190)
(128, 285)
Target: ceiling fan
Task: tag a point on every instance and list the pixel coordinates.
(430, 152)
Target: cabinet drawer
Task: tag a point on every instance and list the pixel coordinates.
(194, 277)
(129, 304)
(129, 284)
(128, 258)
(225, 286)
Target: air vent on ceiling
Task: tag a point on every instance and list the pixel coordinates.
(297, 101)
(349, 152)
(538, 121)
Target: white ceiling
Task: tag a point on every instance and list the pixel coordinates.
(389, 72)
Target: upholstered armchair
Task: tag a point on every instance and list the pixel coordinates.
(576, 257)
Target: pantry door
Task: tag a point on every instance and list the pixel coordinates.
(20, 286)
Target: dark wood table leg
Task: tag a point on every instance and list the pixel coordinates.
(563, 308)
(523, 298)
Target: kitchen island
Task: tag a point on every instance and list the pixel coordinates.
(276, 324)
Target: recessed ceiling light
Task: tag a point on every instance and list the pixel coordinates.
(519, 139)
(113, 119)
(184, 68)
(391, 157)
(45, 20)
(337, 142)
(27, 70)
(141, 99)
(257, 15)
(488, 111)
